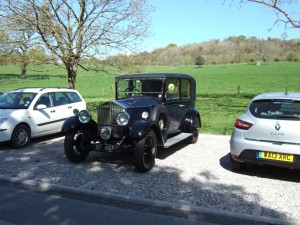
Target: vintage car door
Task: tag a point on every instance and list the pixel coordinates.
(177, 101)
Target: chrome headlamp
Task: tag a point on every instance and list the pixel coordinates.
(145, 115)
(105, 133)
(84, 116)
(123, 118)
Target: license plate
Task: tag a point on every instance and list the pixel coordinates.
(276, 156)
(105, 148)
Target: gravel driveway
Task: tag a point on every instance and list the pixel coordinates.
(194, 175)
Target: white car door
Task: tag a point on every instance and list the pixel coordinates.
(43, 116)
(65, 102)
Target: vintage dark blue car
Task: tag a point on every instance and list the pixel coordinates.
(151, 111)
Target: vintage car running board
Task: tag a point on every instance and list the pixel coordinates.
(176, 139)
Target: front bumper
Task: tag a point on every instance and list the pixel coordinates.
(245, 150)
(5, 134)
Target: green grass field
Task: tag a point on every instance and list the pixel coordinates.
(217, 87)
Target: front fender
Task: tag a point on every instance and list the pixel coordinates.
(140, 128)
(89, 129)
(70, 124)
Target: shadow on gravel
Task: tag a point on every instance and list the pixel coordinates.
(110, 173)
(123, 160)
(6, 145)
(165, 153)
(264, 171)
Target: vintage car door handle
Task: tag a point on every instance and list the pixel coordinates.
(52, 111)
(181, 105)
(70, 107)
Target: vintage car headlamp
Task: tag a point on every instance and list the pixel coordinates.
(84, 116)
(105, 133)
(123, 118)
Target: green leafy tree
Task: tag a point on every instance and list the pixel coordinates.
(199, 61)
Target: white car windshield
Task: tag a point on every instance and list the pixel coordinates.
(16, 100)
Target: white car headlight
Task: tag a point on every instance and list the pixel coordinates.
(84, 116)
(2, 120)
(123, 118)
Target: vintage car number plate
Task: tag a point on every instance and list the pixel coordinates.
(105, 148)
(276, 156)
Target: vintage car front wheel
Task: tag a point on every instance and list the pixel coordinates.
(145, 152)
(72, 147)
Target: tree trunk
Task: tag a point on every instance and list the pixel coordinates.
(24, 70)
(72, 72)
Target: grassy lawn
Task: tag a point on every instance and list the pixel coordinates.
(223, 91)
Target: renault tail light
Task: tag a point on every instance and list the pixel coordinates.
(242, 124)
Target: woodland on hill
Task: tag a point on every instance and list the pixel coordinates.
(238, 49)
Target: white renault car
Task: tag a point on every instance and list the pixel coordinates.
(33, 112)
(268, 133)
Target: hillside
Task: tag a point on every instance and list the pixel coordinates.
(231, 50)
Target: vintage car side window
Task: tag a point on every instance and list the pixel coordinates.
(172, 91)
(151, 88)
(185, 89)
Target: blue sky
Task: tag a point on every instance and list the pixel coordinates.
(192, 21)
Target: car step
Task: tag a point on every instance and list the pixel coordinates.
(176, 139)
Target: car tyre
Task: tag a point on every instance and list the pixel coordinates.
(72, 147)
(20, 137)
(196, 127)
(236, 165)
(145, 152)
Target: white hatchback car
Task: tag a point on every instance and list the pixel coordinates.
(268, 133)
(33, 112)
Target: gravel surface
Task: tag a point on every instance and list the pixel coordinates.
(195, 175)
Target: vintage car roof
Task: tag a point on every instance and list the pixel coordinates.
(156, 76)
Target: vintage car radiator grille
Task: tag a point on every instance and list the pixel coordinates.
(107, 117)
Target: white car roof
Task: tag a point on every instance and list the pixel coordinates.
(41, 89)
(278, 95)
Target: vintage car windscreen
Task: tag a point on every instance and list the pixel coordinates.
(139, 87)
(276, 109)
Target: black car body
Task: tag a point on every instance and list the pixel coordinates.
(150, 111)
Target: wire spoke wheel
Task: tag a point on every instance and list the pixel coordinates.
(74, 150)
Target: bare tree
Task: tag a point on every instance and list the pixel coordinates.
(76, 29)
(289, 18)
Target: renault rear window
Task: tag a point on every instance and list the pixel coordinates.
(276, 109)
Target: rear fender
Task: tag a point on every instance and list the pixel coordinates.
(188, 123)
